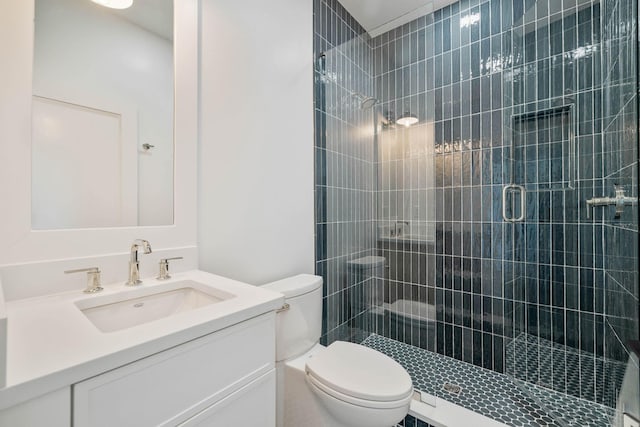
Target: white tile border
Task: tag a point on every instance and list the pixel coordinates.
(447, 414)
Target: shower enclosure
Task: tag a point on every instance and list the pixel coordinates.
(501, 229)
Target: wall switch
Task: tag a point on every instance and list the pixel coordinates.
(629, 421)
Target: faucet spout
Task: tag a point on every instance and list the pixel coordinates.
(134, 264)
(146, 247)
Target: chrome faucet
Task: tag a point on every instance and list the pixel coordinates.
(620, 201)
(134, 264)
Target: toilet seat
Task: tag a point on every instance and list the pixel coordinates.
(359, 375)
(368, 404)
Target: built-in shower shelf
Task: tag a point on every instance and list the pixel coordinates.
(543, 149)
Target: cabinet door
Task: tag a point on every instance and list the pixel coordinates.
(51, 410)
(172, 386)
(252, 405)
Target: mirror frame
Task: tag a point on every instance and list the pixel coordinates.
(18, 242)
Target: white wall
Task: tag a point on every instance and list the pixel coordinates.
(88, 55)
(256, 146)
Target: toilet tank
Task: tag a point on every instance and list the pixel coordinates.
(299, 325)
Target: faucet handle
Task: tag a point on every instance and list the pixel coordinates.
(93, 278)
(164, 268)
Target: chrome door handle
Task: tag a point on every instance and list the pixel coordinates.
(523, 202)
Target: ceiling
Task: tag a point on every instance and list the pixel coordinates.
(376, 16)
(380, 16)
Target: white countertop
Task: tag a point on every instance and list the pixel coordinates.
(51, 344)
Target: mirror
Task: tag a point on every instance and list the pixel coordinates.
(102, 115)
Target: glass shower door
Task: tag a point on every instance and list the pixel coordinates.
(570, 88)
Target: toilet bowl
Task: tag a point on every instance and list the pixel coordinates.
(343, 384)
(360, 386)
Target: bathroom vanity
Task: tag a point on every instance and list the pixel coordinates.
(198, 349)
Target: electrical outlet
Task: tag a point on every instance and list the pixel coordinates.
(629, 421)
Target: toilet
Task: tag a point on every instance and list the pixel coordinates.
(341, 385)
(370, 271)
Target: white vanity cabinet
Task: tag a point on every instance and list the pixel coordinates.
(224, 378)
(51, 410)
(253, 405)
(211, 365)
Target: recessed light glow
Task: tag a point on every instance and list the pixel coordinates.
(114, 4)
(407, 119)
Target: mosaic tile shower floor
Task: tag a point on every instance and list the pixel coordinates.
(563, 369)
(489, 393)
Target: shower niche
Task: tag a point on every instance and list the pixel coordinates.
(543, 149)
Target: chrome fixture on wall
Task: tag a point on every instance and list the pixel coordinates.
(620, 200)
(366, 102)
(360, 101)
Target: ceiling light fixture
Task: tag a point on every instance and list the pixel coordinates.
(407, 119)
(114, 4)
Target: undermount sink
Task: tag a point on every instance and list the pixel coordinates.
(124, 310)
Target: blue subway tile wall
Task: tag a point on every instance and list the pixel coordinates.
(534, 94)
(620, 163)
(499, 105)
(345, 165)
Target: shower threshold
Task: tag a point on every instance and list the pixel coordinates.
(489, 394)
(442, 413)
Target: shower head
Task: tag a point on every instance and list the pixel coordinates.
(356, 100)
(365, 102)
(368, 102)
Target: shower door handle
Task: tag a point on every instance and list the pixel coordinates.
(523, 202)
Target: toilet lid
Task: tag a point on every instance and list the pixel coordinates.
(360, 372)
(296, 285)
